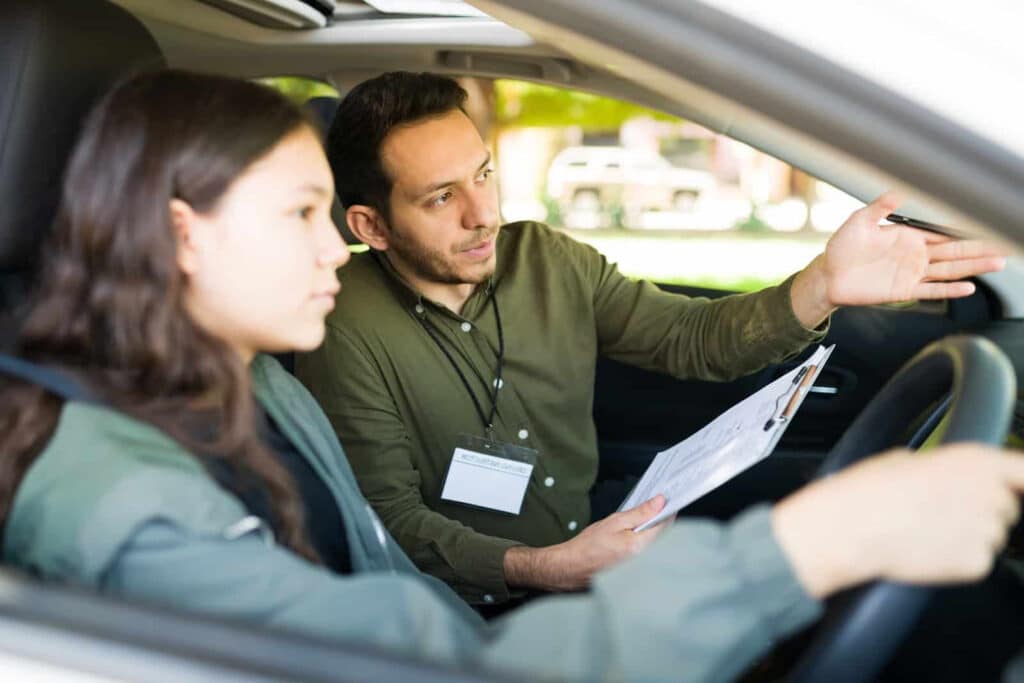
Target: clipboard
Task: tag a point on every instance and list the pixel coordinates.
(739, 438)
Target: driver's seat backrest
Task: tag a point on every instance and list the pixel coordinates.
(56, 58)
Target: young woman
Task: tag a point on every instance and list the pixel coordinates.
(177, 465)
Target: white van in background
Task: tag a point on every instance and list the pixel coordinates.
(602, 180)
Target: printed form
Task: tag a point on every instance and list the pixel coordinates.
(737, 439)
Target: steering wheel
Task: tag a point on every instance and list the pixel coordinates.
(859, 637)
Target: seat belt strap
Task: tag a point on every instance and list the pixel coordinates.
(53, 380)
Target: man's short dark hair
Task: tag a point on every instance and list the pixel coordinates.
(366, 115)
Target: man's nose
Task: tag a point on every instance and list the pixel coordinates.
(481, 208)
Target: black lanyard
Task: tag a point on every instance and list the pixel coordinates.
(488, 420)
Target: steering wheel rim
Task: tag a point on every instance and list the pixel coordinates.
(860, 637)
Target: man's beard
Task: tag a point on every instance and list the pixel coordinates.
(432, 265)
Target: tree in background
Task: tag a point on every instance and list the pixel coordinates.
(298, 88)
(519, 103)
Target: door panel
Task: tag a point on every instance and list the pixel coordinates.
(639, 412)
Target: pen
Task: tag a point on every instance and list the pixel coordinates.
(808, 380)
(923, 225)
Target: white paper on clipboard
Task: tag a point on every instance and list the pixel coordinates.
(737, 439)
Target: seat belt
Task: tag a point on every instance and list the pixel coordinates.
(53, 380)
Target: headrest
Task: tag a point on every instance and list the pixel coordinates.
(56, 58)
(323, 108)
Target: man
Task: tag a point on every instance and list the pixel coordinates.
(455, 332)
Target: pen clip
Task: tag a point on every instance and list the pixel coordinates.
(780, 417)
(777, 416)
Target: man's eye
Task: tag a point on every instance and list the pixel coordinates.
(441, 199)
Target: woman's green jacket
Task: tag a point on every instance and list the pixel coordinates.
(116, 505)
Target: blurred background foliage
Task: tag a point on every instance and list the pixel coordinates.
(299, 89)
(525, 104)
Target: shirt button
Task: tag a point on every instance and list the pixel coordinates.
(420, 309)
(466, 327)
(523, 434)
(573, 525)
(549, 481)
(498, 383)
(489, 598)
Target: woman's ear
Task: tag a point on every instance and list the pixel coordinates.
(184, 222)
(368, 226)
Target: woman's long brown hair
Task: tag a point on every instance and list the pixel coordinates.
(110, 302)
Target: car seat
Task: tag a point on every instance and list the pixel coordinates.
(56, 58)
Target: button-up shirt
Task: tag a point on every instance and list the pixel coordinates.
(399, 406)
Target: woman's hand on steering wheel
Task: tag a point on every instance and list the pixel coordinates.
(922, 519)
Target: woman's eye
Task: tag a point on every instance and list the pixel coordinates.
(305, 212)
(485, 174)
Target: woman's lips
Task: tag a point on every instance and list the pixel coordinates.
(326, 296)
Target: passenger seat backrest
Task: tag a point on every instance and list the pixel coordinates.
(323, 108)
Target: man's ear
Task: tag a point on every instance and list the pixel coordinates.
(368, 226)
(184, 221)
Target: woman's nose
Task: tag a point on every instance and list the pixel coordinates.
(334, 253)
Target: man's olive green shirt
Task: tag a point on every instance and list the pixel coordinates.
(399, 406)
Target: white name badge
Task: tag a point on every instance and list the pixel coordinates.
(487, 481)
